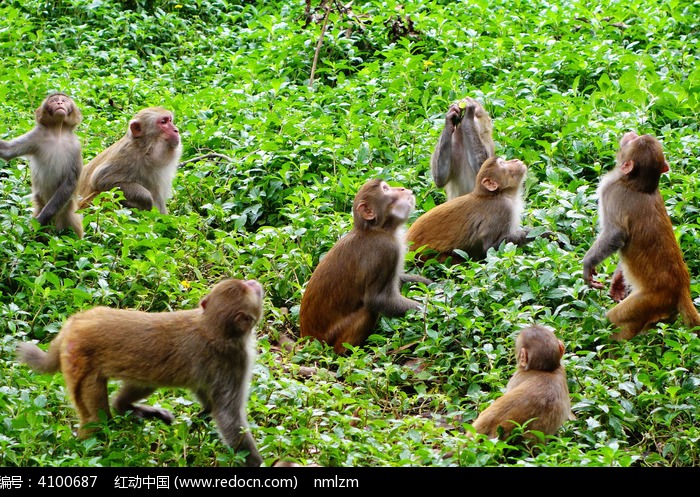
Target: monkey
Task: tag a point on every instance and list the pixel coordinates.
(465, 143)
(55, 161)
(359, 278)
(210, 350)
(651, 282)
(537, 394)
(142, 163)
(476, 221)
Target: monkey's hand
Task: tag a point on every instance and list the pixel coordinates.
(588, 274)
(618, 287)
(453, 116)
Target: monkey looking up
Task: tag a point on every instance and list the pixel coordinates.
(55, 161)
(537, 394)
(478, 220)
(652, 281)
(359, 278)
(142, 164)
(465, 143)
(210, 350)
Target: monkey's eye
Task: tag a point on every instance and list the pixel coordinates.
(165, 120)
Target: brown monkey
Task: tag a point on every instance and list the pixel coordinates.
(537, 394)
(55, 161)
(634, 222)
(142, 164)
(479, 220)
(360, 277)
(465, 143)
(211, 350)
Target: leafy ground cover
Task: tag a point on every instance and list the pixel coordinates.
(562, 81)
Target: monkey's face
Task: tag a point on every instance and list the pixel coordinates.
(56, 109)
(168, 129)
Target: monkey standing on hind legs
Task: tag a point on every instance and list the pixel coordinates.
(211, 350)
(537, 394)
(465, 143)
(55, 161)
(634, 222)
(142, 164)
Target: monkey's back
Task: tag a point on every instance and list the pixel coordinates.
(336, 288)
(539, 396)
(134, 345)
(652, 248)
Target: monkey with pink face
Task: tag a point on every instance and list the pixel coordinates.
(142, 164)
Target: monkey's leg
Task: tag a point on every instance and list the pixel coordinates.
(89, 394)
(353, 329)
(136, 195)
(130, 393)
(637, 313)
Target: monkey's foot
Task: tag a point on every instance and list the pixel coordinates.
(152, 412)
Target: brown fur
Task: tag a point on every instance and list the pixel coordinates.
(55, 161)
(634, 222)
(210, 350)
(478, 220)
(359, 278)
(537, 395)
(142, 163)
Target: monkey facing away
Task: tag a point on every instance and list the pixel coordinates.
(478, 220)
(142, 164)
(359, 278)
(210, 350)
(651, 282)
(465, 143)
(537, 394)
(55, 161)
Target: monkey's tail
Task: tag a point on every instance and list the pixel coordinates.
(37, 359)
(689, 313)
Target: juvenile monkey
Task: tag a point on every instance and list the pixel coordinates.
(55, 161)
(478, 220)
(538, 391)
(465, 143)
(142, 164)
(210, 350)
(360, 277)
(634, 222)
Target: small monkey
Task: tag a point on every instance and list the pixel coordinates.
(651, 282)
(55, 161)
(478, 220)
(211, 350)
(360, 277)
(465, 143)
(142, 164)
(538, 391)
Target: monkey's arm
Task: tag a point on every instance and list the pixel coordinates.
(26, 144)
(608, 242)
(63, 193)
(440, 161)
(473, 147)
(231, 422)
(137, 195)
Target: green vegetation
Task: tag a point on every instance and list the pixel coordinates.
(562, 81)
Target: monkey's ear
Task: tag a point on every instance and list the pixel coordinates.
(204, 302)
(561, 348)
(135, 128)
(490, 184)
(522, 359)
(627, 167)
(666, 168)
(365, 211)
